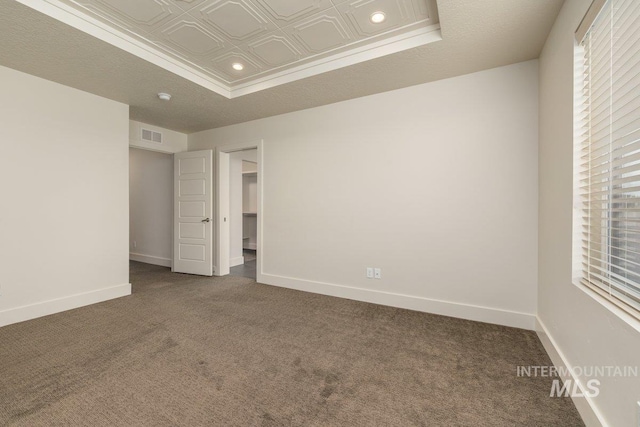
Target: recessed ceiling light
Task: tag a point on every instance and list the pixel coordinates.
(378, 17)
(164, 96)
(237, 66)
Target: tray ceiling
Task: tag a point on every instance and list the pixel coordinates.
(273, 41)
(476, 35)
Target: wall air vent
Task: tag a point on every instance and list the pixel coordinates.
(151, 136)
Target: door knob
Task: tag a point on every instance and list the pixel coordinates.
(206, 220)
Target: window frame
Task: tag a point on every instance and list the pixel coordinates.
(617, 304)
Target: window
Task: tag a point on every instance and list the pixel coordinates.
(608, 151)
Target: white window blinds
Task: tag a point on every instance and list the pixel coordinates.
(609, 154)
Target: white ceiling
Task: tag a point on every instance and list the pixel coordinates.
(476, 35)
(275, 41)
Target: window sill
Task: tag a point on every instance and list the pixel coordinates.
(621, 313)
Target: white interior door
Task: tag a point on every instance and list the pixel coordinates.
(193, 213)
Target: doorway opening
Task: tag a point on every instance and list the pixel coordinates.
(238, 210)
(243, 213)
(150, 207)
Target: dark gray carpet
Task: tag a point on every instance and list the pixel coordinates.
(249, 254)
(193, 351)
(248, 270)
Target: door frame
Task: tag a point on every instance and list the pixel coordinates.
(221, 208)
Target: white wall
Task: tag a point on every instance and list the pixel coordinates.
(250, 158)
(584, 332)
(64, 213)
(435, 184)
(151, 206)
(172, 141)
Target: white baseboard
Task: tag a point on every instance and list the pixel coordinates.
(236, 261)
(45, 308)
(445, 308)
(585, 405)
(150, 259)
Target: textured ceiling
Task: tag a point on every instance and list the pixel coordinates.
(264, 36)
(477, 35)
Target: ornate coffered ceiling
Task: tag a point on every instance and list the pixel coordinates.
(274, 41)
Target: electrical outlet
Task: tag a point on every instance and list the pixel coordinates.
(369, 273)
(377, 273)
(134, 244)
